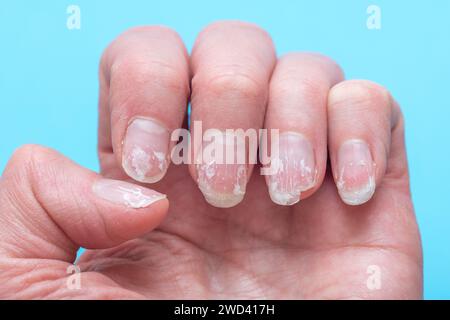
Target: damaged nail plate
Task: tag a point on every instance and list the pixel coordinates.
(223, 185)
(145, 150)
(295, 169)
(356, 172)
(127, 194)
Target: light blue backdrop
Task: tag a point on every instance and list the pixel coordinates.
(48, 77)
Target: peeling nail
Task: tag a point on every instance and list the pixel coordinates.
(127, 194)
(295, 169)
(145, 150)
(356, 176)
(223, 185)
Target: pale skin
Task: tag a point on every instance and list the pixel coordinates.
(319, 247)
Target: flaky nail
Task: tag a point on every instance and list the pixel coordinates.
(145, 150)
(127, 194)
(223, 184)
(356, 174)
(295, 169)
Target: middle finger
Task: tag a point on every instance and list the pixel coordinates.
(232, 63)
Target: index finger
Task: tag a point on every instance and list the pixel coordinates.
(144, 90)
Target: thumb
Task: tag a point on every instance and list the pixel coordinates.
(50, 206)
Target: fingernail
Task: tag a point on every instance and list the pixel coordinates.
(127, 194)
(222, 184)
(356, 174)
(295, 169)
(145, 150)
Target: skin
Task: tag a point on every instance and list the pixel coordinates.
(320, 248)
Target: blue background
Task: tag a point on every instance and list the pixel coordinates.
(48, 77)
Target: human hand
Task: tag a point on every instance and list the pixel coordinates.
(250, 238)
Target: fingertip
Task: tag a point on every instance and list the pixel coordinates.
(145, 152)
(294, 171)
(70, 206)
(360, 121)
(144, 91)
(355, 172)
(128, 210)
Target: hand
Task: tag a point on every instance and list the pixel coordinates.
(353, 217)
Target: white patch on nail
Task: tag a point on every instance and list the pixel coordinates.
(238, 188)
(283, 197)
(161, 157)
(210, 171)
(304, 169)
(285, 190)
(134, 198)
(356, 196)
(277, 164)
(207, 176)
(140, 162)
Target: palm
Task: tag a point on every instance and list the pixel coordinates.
(320, 248)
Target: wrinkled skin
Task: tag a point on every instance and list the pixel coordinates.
(320, 248)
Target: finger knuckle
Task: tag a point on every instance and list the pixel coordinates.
(308, 75)
(135, 70)
(362, 93)
(313, 58)
(305, 87)
(140, 35)
(130, 62)
(31, 153)
(132, 78)
(233, 83)
(28, 160)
